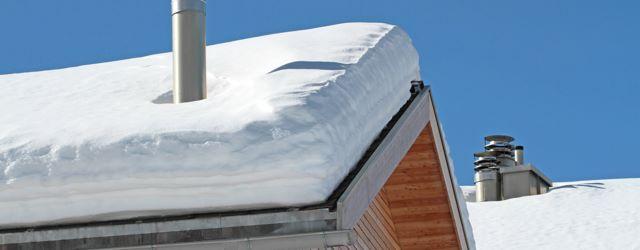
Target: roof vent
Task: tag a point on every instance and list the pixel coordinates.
(502, 174)
(189, 50)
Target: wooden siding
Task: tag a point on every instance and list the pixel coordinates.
(375, 229)
(412, 210)
(418, 199)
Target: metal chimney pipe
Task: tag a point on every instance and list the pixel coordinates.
(189, 50)
(519, 155)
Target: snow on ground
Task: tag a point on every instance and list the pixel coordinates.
(602, 214)
(287, 116)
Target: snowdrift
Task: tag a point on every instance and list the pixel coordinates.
(601, 214)
(286, 118)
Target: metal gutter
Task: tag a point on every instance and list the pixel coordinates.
(174, 231)
(293, 241)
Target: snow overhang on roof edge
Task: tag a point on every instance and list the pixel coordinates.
(291, 224)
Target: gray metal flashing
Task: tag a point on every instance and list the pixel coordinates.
(527, 167)
(292, 241)
(381, 164)
(461, 229)
(256, 225)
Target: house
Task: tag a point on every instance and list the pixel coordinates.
(399, 193)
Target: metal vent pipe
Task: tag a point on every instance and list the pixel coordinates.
(189, 50)
(519, 152)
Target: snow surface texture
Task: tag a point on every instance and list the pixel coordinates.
(286, 118)
(602, 214)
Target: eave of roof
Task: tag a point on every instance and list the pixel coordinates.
(338, 214)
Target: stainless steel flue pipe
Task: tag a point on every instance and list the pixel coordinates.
(189, 50)
(519, 155)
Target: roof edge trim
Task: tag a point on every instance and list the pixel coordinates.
(384, 160)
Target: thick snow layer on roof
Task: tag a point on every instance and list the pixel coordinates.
(602, 214)
(288, 115)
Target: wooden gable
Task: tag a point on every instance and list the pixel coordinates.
(412, 211)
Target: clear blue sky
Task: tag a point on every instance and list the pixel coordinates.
(560, 76)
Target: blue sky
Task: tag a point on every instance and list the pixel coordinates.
(560, 76)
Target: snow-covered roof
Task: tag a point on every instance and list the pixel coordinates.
(599, 214)
(286, 118)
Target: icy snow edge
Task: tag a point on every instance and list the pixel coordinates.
(287, 116)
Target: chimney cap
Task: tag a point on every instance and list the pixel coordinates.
(502, 138)
(487, 154)
(184, 5)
